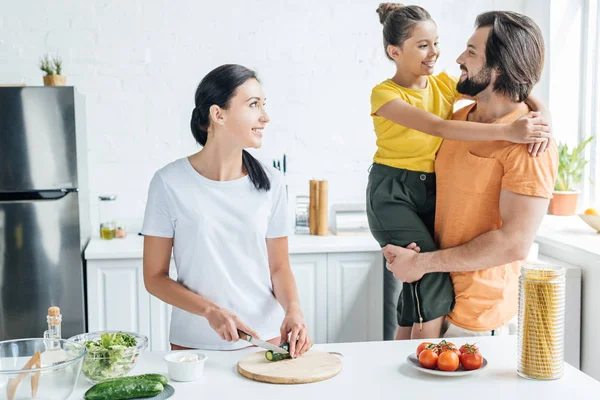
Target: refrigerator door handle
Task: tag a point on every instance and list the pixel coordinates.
(40, 195)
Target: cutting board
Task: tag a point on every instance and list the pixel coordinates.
(313, 366)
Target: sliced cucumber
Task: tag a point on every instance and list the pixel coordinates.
(271, 356)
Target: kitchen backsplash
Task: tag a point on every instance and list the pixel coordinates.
(138, 71)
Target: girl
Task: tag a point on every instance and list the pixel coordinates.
(401, 187)
(224, 216)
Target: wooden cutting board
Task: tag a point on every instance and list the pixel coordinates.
(313, 366)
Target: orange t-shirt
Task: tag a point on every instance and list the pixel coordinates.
(470, 176)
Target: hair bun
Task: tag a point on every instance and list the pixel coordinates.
(385, 9)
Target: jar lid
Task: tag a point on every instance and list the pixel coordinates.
(108, 197)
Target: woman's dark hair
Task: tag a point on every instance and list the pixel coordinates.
(219, 87)
(398, 22)
(515, 47)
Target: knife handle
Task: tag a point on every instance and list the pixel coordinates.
(243, 335)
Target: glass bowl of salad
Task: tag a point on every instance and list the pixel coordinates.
(110, 354)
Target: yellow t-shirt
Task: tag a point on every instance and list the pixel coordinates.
(402, 147)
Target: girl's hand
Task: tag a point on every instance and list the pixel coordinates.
(226, 324)
(537, 149)
(531, 128)
(413, 246)
(293, 326)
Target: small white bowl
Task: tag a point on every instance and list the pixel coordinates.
(185, 371)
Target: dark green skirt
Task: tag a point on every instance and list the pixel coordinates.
(401, 210)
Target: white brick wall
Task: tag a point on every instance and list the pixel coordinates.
(138, 64)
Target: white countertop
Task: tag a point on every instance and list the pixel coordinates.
(574, 238)
(133, 245)
(376, 370)
(571, 235)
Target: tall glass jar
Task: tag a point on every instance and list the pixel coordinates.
(541, 322)
(106, 213)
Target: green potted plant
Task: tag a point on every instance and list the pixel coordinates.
(571, 166)
(53, 69)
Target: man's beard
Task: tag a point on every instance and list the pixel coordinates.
(473, 86)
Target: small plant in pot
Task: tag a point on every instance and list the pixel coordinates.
(53, 69)
(571, 165)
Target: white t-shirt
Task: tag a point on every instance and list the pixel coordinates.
(219, 230)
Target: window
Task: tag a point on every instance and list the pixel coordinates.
(574, 64)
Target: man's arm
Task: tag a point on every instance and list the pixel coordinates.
(521, 216)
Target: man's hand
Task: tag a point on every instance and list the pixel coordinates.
(403, 262)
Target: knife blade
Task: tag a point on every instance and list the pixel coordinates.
(261, 343)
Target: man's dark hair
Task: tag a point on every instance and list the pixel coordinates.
(515, 47)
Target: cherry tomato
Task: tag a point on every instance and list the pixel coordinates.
(448, 361)
(465, 348)
(471, 360)
(422, 347)
(444, 346)
(428, 359)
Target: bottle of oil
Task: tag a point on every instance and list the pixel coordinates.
(54, 319)
(106, 211)
(54, 352)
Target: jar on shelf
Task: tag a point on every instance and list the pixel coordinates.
(106, 213)
(540, 353)
(121, 231)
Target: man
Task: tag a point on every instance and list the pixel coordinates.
(491, 196)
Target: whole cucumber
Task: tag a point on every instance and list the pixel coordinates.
(153, 377)
(148, 377)
(123, 390)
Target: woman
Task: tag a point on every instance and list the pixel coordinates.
(224, 215)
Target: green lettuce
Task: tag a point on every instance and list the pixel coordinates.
(111, 356)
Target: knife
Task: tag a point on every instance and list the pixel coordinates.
(261, 343)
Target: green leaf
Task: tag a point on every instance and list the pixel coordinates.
(571, 165)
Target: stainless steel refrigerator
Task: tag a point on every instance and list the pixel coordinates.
(43, 209)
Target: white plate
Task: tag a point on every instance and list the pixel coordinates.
(414, 362)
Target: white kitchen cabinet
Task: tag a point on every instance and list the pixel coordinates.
(310, 272)
(117, 298)
(354, 297)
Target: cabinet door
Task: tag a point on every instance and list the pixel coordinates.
(160, 319)
(310, 272)
(354, 297)
(117, 298)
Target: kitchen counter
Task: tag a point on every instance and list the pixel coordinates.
(133, 245)
(376, 370)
